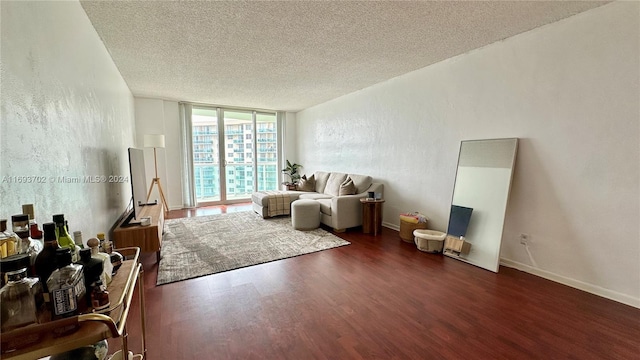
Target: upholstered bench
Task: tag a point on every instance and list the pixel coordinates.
(305, 214)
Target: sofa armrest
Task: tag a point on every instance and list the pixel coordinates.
(346, 211)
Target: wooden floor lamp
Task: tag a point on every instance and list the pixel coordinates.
(156, 141)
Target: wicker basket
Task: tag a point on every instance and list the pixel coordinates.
(430, 241)
(406, 229)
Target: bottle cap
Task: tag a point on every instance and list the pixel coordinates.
(3, 224)
(28, 209)
(85, 254)
(17, 274)
(14, 262)
(63, 257)
(58, 218)
(19, 218)
(49, 229)
(100, 236)
(93, 242)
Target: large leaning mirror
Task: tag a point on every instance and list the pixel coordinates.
(479, 203)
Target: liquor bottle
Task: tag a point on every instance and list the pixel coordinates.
(18, 300)
(8, 240)
(66, 287)
(116, 257)
(36, 234)
(99, 296)
(107, 268)
(91, 269)
(20, 226)
(12, 263)
(64, 240)
(77, 239)
(105, 245)
(46, 260)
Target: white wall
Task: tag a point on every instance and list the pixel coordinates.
(66, 111)
(568, 90)
(289, 151)
(155, 116)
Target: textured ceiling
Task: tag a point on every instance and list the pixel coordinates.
(296, 54)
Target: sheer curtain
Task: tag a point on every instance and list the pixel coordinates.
(188, 182)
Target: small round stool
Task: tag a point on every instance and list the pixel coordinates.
(305, 214)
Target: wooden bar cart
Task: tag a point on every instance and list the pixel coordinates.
(94, 327)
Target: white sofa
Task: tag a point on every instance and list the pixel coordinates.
(338, 211)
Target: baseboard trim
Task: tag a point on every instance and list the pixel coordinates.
(391, 226)
(593, 289)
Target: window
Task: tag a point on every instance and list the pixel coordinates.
(245, 164)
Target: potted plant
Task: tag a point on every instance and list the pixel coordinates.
(292, 172)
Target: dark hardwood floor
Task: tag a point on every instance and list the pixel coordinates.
(378, 298)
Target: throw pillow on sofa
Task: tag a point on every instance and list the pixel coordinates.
(347, 187)
(333, 183)
(307, 184)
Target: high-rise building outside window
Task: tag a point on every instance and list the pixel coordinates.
(241, 157)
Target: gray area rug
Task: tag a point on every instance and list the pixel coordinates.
(198, 246)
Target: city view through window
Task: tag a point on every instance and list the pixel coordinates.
(248, 164)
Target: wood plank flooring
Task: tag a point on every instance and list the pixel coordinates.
(378, 298)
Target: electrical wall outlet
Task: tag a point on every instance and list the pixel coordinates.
(524, 239)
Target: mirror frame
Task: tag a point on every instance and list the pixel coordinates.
(486, 232)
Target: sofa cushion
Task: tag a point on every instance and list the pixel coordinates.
(261, 198)
(347, 187)
(362, 182)
(334, 182)
(325, 206)
(321, 180)
(307, 184)
(314, 196)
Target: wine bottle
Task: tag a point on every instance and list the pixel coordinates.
(64, 239)
(46, 260)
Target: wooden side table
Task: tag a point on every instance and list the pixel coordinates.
(147, 238)
(371, 216)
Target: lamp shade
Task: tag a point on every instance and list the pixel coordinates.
(154, 141)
